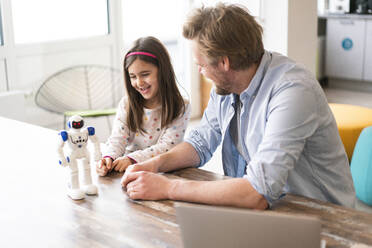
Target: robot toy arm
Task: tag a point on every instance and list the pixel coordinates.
(63, 136)
(93, 138)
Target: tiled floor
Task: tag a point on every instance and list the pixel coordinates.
(334, 95)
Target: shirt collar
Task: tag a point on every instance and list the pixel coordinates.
(257, 78)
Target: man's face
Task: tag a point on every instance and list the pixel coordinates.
(214, 73)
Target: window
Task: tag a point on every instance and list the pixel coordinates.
(41, 21)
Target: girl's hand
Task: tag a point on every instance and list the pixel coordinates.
(104, 166)
(121, 164)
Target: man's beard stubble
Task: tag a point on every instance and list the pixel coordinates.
(221, 91)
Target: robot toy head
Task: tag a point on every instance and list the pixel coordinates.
(75, 122)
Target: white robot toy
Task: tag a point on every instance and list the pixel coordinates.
(77, 139)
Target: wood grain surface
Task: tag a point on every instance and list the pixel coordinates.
(36, 212)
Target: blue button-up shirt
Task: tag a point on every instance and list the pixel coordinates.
(290, 141)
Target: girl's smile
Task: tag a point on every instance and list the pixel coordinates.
(145, 90)
(144, 78)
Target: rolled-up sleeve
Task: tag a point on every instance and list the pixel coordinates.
(291, 119)
(207, 136)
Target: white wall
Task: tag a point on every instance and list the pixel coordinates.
(3, 81)
(32, 69)
(275, 24)
(290, 28)
(302, 32)
(12, 105)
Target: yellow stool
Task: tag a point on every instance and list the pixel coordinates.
(350, 121)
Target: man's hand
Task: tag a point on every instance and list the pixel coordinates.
(121, 164)
(146, 185)
(151, 165)
(104, 166)
(142, 182)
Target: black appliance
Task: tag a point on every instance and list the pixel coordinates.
(361, 6)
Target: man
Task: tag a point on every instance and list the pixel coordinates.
(278, 134)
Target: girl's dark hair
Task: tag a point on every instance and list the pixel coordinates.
(172, 103)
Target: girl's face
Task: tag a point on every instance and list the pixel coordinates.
(144, 78)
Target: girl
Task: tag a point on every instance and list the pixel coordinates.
(153, 117)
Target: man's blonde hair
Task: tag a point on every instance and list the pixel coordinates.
(226, 30)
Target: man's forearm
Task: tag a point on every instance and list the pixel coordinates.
(236, 192)
(181, 156)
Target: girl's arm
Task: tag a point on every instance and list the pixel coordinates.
(120, 135)
(170, 137)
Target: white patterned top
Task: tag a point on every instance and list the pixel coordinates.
(142, 146)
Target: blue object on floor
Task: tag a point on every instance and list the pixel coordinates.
(361, 166)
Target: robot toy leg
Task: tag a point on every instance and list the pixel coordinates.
(74, 190)
(88, 187)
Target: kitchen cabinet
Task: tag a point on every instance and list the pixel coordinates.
(345, 48)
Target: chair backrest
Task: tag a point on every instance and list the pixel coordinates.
(83, 87)
(361, 166)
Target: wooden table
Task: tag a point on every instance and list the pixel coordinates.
(35, 211)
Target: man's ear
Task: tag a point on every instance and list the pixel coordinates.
(224, 63)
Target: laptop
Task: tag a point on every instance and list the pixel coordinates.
(223, 227)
